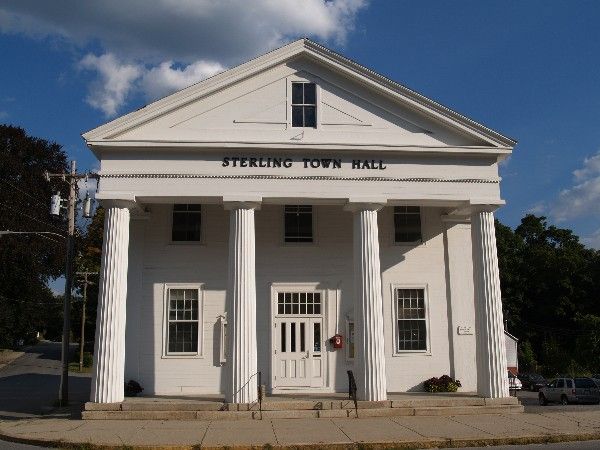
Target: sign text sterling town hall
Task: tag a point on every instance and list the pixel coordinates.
(314, 163)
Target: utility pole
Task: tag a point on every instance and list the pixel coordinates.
(64, 379)
(85, 285)
(71, 178)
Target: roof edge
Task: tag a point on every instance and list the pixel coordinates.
(277, 56)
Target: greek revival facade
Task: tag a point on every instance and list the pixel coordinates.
(299, 216)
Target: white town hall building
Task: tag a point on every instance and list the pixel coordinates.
(302, 216)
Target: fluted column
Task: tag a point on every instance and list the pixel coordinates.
(109, 355)
(241, 304)
(492, 380)
(368, 304)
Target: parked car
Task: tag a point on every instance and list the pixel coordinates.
(532, 381)
(570, 390)
(596, 378)
(513, 382)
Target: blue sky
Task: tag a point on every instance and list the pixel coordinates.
(529, 69)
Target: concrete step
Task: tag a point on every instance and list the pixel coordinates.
(299, 413)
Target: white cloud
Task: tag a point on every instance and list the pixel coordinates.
(115, 81)
(202, 36)
(538, 208)
(165, 79)
(583, 198)
(593, 240)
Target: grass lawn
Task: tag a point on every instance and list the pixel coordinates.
(74, 367)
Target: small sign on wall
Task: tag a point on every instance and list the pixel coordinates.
(465, 329)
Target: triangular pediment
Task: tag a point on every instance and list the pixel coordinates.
(251, 105)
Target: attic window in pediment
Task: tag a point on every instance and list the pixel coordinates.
(304, 105)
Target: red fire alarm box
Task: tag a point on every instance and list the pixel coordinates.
(337, 341)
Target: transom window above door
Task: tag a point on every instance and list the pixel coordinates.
(304, 105)
(187, 220)
(299, 303)
(298, 223)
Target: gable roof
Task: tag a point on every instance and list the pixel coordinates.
(105, 133)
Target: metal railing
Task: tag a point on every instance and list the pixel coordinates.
(352, 390)
(259, 391)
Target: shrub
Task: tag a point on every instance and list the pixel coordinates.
(441, 384)
(88, 359)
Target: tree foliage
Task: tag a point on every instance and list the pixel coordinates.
(27, 262)
(551, 295)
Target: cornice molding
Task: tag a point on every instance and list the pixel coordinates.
(307, 177)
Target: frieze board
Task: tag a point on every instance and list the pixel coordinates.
(302, 177)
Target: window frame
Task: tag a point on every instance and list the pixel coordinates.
(201, 241)
(300, 79)
(303, 105)
(406, 243)
(313, 225)
(395, 351)
(199, 354)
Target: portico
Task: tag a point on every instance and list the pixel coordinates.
(236, 242)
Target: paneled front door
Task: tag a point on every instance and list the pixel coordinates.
(299, 358)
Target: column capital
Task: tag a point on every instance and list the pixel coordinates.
(117, 200)
(241, 204)
(364, 205)
(483, 207)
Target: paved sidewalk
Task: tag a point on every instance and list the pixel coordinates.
(398, 432)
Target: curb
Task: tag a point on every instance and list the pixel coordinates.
(425, 444)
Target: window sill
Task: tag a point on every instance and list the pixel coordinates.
(185, 243)
(412, 353)
(183, 356)
(409, 244)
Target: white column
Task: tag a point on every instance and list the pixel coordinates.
(109, 355)
(241, 304)
(368, 304)
(492, 378)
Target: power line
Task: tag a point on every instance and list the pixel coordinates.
(23, 192)
(13, 209)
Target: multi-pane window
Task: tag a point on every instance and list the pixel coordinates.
(298, 223)
(407, 224)
(411, 320)
(186, 222)
(304, 105)
(182, 334)
(299, 303)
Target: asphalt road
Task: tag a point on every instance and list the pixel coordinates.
(530, 401)
(29, 385)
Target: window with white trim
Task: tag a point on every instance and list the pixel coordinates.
(411, 320)
(187, 220)
(407, 224)
(304, 105)
(298, 223)
(183, 317)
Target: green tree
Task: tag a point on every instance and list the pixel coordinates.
(27, 262)
(550, 290)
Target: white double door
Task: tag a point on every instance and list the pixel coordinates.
(299, 357)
